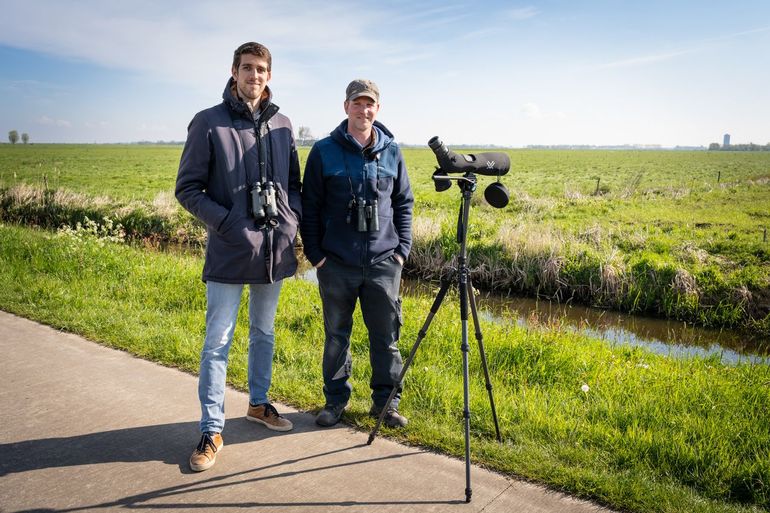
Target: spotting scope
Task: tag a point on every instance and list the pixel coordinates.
(490, 163)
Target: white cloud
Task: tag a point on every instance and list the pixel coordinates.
(46, 121)
(693, 47)
(531, 111)
(402, 59)
(153, 128)
(174, 40)
(643, 60)
(523, 13)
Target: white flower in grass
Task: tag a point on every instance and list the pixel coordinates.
(585, 388)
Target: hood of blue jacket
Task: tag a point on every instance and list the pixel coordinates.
(384, 137)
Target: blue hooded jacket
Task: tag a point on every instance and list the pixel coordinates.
(338, 170)
(227, 150)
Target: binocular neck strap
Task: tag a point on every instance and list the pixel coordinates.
(262, 155)
(375, 158)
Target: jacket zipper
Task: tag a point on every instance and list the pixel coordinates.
(262, 170)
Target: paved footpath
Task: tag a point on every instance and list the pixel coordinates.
(88, 428)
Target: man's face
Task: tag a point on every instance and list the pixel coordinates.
(361, 113)
(251, 76)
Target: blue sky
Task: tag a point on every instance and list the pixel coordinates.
(504, 73)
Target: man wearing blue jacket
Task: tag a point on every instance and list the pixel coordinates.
(239, 175)
(357, 231)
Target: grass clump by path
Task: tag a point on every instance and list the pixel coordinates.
(631, 429)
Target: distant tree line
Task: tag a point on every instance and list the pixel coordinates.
(13, 137)
(739, 147)
(305, 137)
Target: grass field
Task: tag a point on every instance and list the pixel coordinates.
(634, 430)
(680, 235)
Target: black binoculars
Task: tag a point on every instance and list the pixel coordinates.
(365, 212)
(263, 204)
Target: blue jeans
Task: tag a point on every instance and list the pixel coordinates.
(223, 300)
(377, 288)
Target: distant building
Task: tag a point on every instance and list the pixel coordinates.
(726, 140)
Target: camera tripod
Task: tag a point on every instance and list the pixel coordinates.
(461, 275)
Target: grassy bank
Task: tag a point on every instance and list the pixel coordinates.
(626, 427)
(680, 235)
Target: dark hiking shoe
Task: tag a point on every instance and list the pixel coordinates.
(330, 415)
(205, 455)
(267, 414)
(391, 419)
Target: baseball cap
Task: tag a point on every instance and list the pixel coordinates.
(362, 87)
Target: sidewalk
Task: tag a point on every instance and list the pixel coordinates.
(88, 428)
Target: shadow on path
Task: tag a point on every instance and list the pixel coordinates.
(246, 477)
(169, 443)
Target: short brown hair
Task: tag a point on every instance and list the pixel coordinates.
(254, 49)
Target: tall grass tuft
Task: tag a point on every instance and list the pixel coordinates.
(161, 220)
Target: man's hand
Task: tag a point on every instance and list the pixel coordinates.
(399, 259)
(321, 263)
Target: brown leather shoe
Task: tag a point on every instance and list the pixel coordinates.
(267, 414)
(205, 455)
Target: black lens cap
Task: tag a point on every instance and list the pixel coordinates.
(496, 195)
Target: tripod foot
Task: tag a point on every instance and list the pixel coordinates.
(371, 439)
(468, 493)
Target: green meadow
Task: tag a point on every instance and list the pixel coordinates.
(676, 234)
(673, 234)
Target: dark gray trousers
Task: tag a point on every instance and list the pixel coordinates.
(377, 288)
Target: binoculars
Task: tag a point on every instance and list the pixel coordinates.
(263, 204)
(365, 212)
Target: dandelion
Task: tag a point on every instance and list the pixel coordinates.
(585, 388)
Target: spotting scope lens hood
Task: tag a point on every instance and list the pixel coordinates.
(491, 163)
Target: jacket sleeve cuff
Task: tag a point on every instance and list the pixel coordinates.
(315, 257)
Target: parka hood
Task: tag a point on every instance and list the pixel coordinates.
(240, 106)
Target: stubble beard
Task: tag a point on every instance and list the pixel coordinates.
(248, 95)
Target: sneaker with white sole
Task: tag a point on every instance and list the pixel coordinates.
(267, 414)
(205, 455)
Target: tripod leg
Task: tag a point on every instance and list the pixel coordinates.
(466, 394)
(480, 339)
(421, 335)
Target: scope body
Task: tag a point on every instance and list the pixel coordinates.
(491, 163)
